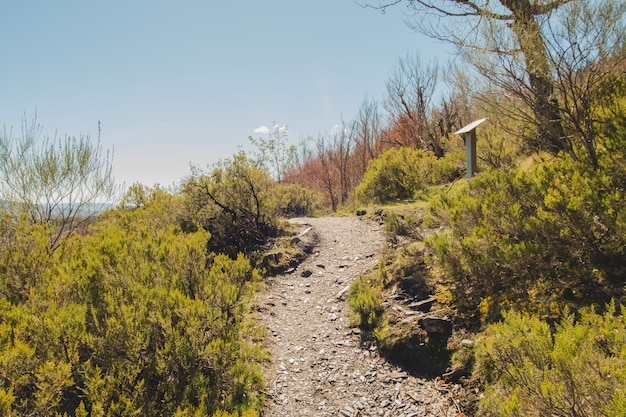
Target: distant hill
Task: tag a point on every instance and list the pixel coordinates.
(86, 210)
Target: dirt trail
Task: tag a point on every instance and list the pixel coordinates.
(320, 367)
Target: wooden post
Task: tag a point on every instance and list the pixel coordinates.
(469, 135)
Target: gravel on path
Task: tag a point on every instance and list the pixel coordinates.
(320, 366)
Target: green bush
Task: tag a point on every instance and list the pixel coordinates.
(24, 257)
(400, 173)
(397, 226)
(548, 233)
(366, 303)
(293, 200)
(448, 168)
(365, 300)
(544, 237)
(128, 318)
(577, 369)
(396, 174)
(235, 203)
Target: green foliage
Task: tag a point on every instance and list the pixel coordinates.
(544, 237)
(234, 203)
(397, 226)
(366, 303)
(408, 261)
(579, 369)
(6, 400)
(546, 234)
(58, 182)
(400, 173)
(293, 200)
(393, 228)
(397, 174)
(496, 147)
(365, 300)
(131, 318)
(448, 168)
(240, 205)
(24, 260)
(274, 154)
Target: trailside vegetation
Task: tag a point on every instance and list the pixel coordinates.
(58, 182)
(525, 262)
(577, 368)
(128, 319)
(401, 173)
(542, 236)
(145, 310)
(529, 256)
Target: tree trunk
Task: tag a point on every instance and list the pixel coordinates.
(550, 133)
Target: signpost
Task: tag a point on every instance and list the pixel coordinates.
(469, 135)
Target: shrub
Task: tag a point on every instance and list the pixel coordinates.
(579, 369)
(397, 226)
(293, 200)
(234, 203)
(448, 168)
(366, 303)
(396, 174)
(544, 237)
(400, 173)
(365, 300)
(24, 257)
(127, 319)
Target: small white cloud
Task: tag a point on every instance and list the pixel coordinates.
(262, 129)
(335, 129)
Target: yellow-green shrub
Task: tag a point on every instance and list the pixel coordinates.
(24, 258)
(293, 200)
(365, 300)
(129, 318)
(577, 369)
(366, 303)
(398, 173)
(234, 203)
(543, 237)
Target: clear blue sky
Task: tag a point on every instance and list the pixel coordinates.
(188, 81)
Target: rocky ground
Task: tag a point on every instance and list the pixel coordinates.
(320, 365)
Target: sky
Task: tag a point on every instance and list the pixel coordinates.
(185, 82)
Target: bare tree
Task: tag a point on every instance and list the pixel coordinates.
(61, 182)
(366, 129)
(422, 113)
(410, 92)
(334, 162)
(511, 31)
(342, 157)
(324, 171)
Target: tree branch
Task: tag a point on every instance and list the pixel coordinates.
(538, 9)
(474, 10)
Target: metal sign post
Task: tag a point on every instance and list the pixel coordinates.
(469, 135)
